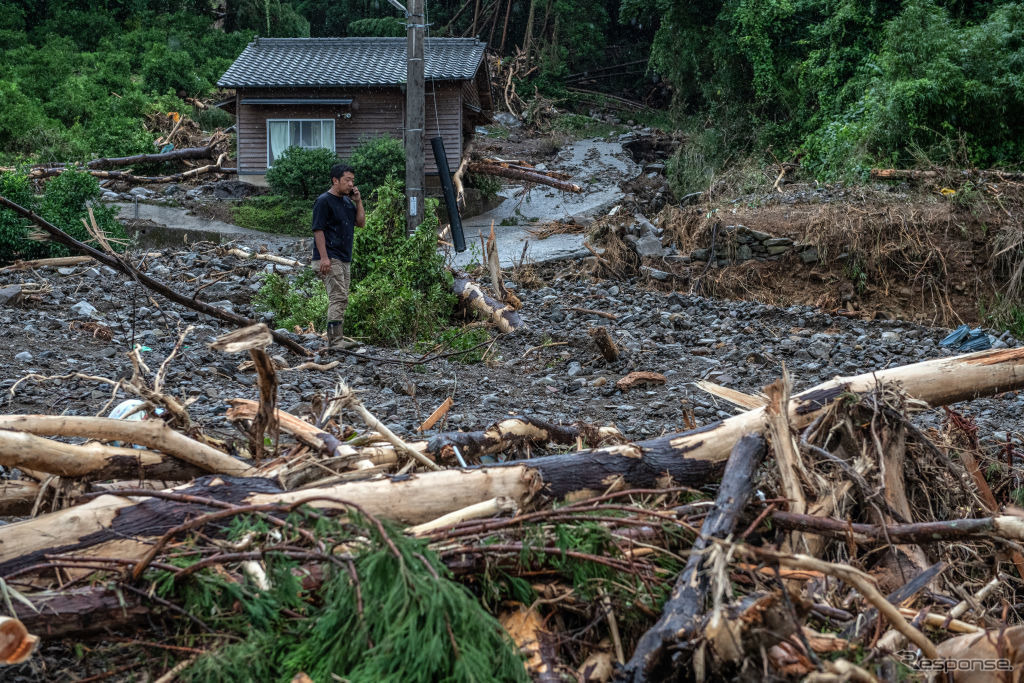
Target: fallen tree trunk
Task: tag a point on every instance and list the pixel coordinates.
(117, 526)
(129, 177)
(57, 262)
(152, 433)
(519, 165)
(80, 611)
(206, 152)
(96, 461)
(522, 174)
(473, 297)
(686, 604)
(58, 235)
(273, 258)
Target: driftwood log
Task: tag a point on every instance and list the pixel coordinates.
(95, 461)
(522, 174)
(474, 298)
(128, 177)
(151, 433)
(1004, 526)
(17, 496)
(650, 660)
(58, 235)
(207, 152)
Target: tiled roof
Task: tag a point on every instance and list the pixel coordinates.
(283, 62)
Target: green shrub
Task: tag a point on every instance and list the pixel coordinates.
(64, 203)
(401, 290)
(488, 185)
(302, 173)
(582, 126)
(22, 115)
(300, 301)
(212, 118)
(14, 242)
(376, 159)
(276, 214)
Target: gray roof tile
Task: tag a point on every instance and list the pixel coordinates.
(283, 62)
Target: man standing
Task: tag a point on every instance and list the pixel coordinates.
(335, 215)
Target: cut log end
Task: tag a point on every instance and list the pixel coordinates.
(16, 643)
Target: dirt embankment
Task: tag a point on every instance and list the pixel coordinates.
(871, 253)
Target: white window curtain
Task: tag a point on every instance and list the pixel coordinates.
(278, 134)
(312, 134)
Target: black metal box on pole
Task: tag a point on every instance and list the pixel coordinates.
(458, 239)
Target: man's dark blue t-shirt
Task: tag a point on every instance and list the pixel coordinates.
(336, 216)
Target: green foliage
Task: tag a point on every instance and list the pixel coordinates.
(375, 160)
(488, 185)
(270, 18)
(378, 27)
(401, 290)
(301, 173)
(298, 302)
(397, 616)
(276, 214)
(846, 84)
(166, 69)
(77, 80)
(581, 126)
(212, 118)
(65, 203)
(591, 581)
(1003, 315)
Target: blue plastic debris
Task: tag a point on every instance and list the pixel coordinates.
(956, 337)
(976, 341)
(966, 340)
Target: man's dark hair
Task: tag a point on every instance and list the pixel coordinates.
(339, 170)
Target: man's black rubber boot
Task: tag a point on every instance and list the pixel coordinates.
(335, 334)
(336, 337)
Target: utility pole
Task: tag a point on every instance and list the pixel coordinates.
(414, 117)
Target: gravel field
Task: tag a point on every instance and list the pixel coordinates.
(551, 370)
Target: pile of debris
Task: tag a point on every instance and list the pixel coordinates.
(180, 141)
(329, 544)
(861, 523)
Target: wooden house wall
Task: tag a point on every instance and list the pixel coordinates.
(376, 112)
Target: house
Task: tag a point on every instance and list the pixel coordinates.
(336, 92)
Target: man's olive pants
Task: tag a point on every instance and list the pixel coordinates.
(336, 282)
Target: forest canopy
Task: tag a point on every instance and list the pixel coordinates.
(840, 85)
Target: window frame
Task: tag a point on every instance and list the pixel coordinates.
(334, 134)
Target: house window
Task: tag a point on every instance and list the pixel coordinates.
(309, 133)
